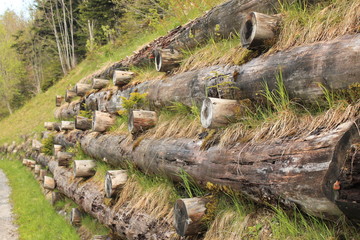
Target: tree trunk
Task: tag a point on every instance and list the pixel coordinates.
(69, 95)
(167, 59)
(98, 83)
(49, 183)
(141, 120)
(259, 31)
(58, 100)
(64, 158)
(56, 197)
(217, 112)
(101, 121)
(114, 182)
(84, 168)
(81, 89)
(67, 125)
(57, 148)
(121, 78)
(291, 171)
(75, 217)
(83, 123)
(188, 216)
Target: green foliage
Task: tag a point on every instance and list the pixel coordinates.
(48, 145)
(93, 225)
(178, 108)
(86, 112)
(35, 216)
(135, 101)
(78, 152)
(189, 184)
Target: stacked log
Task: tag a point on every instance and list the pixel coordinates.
(83, 123)
(57, 148)
(121, 78)
(64, 158)
(68, 110)
(36, 145)
(114, 182)
(67, 125)
(59, 100)
(98, 83)
(42, 174)
(49, 183)
(49, 125)
(75, 217)
(167, 59)
(141, 120)
(69, 95)
(37, 169)
(81, 89)
(84, 168)
(102, 121)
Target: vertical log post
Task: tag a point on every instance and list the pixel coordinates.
(114, 182)
(64, 158)
(259, 30)
(49, 183)
(83, 123)
(59, 100)
(98, 83)
(81, 89)
(69, 95)
(216, 112)
(102, 121)
(188, 214)
(57, 126)
(142, 120)
(121, 78)
(167, 59)
(67, 125)
(75, 217)
(84, 168)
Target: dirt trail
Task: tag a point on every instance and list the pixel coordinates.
(7, 228)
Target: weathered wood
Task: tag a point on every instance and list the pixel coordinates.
(58, 100)
(49, 125)
(114, 182)
(36, 145)
(69, 95)
(102, 121)
(37, 169)
(42, 174)
(81, 89)
(167, 59)
(56, 197)
(75, 217)
(67, 125)
(83, 123)
(24, 162)
(121, 78)
(49, 183)
(57, 126)
(188, 216)
(141, 120)
(84, 168)
(57, 148)
(100, 237)
(64, 158)
(45, 134)
(271, 171)
(31, 163)
(68, 110)
(217, 112)
(98, 83)
(259, 30)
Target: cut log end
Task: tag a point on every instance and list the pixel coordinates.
(83, 123)
(84, 168)
(114, 182)
(67, 125)
(58, 100)
(75, 217)
(69, 95)
(121, 78)
(49, 183)
(98, 83)
(166, 59)
(102, 121)
(140, 121)
(64, 158)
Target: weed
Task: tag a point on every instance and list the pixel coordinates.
(48, 145)
(191, 188)
(135, 101)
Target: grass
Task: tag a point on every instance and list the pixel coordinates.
(34, 214)
(92, 226)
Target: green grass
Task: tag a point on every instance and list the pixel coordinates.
(93, 226)
(34, 214)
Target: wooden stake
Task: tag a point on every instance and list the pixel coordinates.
(67, 125)
(83, 123)
(121, 78)
(59, 100)
(114, 182)
(64, 158)
(84, 168)
(188, 214)
(102, 121)
(98, 83)
(75, 217)
(81, 89)
(49, 183)
(259, 30)
(69, 95)
(167, 59)
(142, 120)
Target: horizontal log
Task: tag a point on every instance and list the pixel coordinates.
(64, 158)
(75, 217)
(36, 145)
(141, 120)
(49, 183)
(83, 123)
(69, 95)
(102, 121)
(114, 182)
(295, 172)
(98, 83)
(84, 168)
(167, 59)
(68, 139)
(49, 125)
(121, 78)
(81, 89)
(68, 110)
(67, 125)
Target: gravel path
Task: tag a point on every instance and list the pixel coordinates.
(7, 228)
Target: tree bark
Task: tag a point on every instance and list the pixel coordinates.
(81, 89)
(290, 171)
(42, 174)
(259, 31)
(57, 148)
(167, 59)
(37, 169)
(69, 95)
(121, 78)
(49, 183)
(59, 100)
(141, 120)
(64, 158)
(67, 125)
(98, 83)
(75, 217)
(101, 121)
(83, 123)
(56, 197)
(68, 110)
(36, 145)
(114, 182)
(49, 125)
(84, 168)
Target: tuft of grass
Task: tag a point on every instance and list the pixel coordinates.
(93, 226)
(190, 186)
(48, 145)
(101, 169)
(34, 214)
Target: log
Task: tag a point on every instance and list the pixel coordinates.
(69, 95)
(42, 174)
(167, 59)
(68, 110)
(299, 171)
(67, 125)
(37, 169)
(64, 158)
(49, 183)
(121, 78)
(75, 217)
(56, 197)
(259, 31)
(98, 83)
(57, 126)
(31, 163)
(36, 145)
(24, 162)
(188, 216)
(57, 148)
(114, 182)
(59, 100)
(68, 139)
(141, 120)
(217, 112)
(83, 123)
(100, 237)
(102, 121)
(84, 168)
(81, 89)
(49, 125)
(45, 134)
(91, 102)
